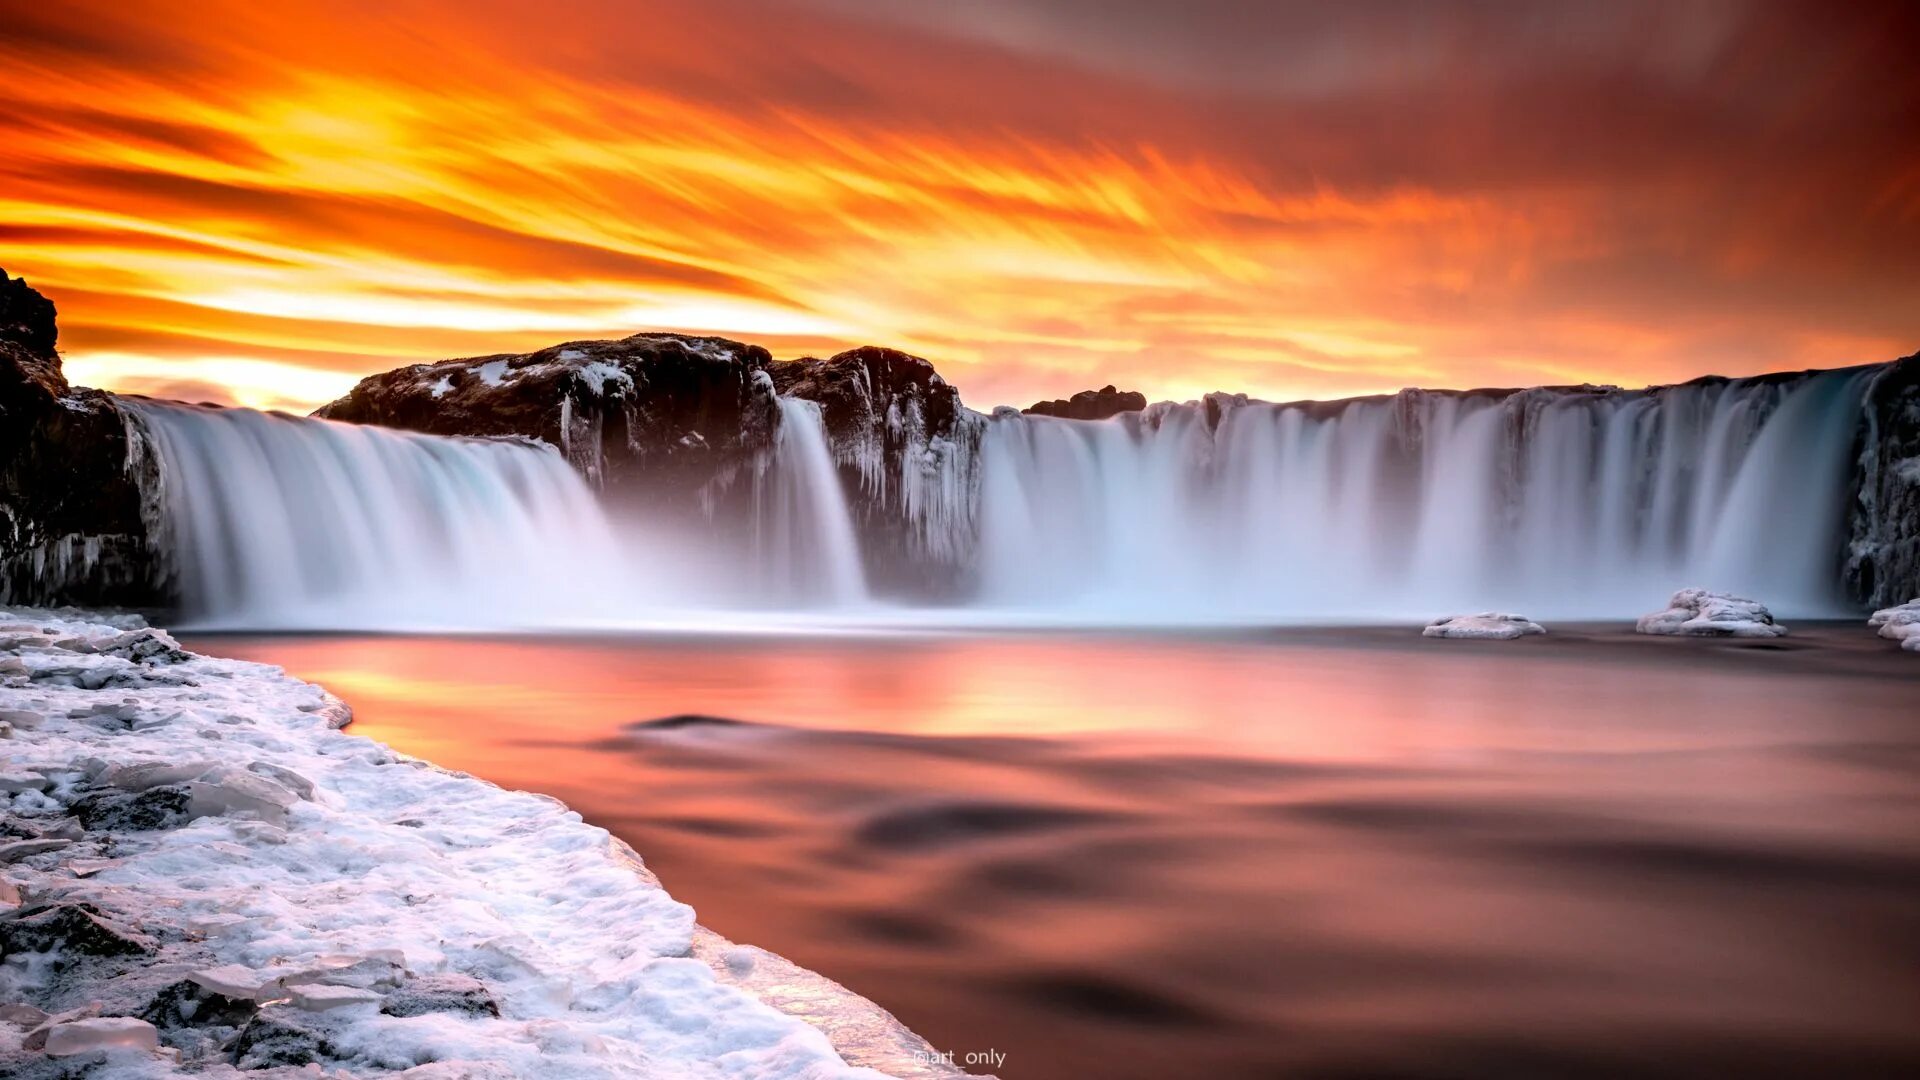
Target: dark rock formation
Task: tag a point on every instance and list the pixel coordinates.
(906, 449)
(461, 995)
(71, 523)
(164, 807)
(69, 932)
(646, 416)
(279, 1035)
(188, 1004)
(1091, 404)
(1882, 565)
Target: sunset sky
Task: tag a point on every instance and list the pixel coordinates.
(261, 202)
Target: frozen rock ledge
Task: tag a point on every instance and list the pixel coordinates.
(205, 877)
(1900, 623)
(1699, 613)
(1486, 626)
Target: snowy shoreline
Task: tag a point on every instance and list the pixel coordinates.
(192, 854)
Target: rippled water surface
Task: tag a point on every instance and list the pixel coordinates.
(1330, 854)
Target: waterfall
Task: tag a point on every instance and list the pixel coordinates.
(1560, 503)
(805, 546)
(276, 521)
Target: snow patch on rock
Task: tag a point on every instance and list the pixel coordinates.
(1900, 623)
(1699, 613)
(1486, 626)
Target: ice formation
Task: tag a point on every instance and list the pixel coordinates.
(1699, 613)
(205, 875)
(1900, 623)
(1486, 626)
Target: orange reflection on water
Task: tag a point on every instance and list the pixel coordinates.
(1324, 853)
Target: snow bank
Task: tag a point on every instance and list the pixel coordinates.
(1900, 623)
(200, 874)
(1486, 626)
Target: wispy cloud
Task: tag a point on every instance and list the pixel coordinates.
(1291, 199)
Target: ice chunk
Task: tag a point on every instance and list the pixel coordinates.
(138, 776)
(21, 849)
(1699, 613)
(285, 777)
(240, 793)
(1899, 623)
(237, 982)
(101, 1033)
(22, 1015)
(37, 1038)
(1486, 626)
(15, 781)
(321, 997)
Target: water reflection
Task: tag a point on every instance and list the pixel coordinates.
(1316, 854)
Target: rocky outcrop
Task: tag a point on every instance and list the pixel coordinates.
(1091, 404)
(907, 446)
(1699, 613)
(72, 527)
(1883, 532)
(644, 418)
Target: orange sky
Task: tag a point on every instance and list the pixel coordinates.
(262, 202)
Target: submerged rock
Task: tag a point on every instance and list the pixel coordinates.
(1091, 404)
(1699, 613)
(1900, 623)
(1486, 626)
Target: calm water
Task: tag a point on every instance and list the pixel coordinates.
(1327, 854)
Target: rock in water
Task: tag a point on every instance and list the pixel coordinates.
(1699, 613)
(1486, 626)
(1900, 623)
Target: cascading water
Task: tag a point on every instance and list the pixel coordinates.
(1566, 503)
(1560, 503)
(805, 546)
(275, 521)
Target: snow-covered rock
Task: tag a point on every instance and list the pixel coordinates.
(234, 886)
(1899, 623)
(1699, 613)
(1486, 626)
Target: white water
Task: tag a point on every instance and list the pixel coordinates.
(276, 521)
(805, 547)
(1558, 504)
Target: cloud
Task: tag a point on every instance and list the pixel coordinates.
(1295, 199)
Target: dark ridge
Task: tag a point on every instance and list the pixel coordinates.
(1091, 404)
(685, 721)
